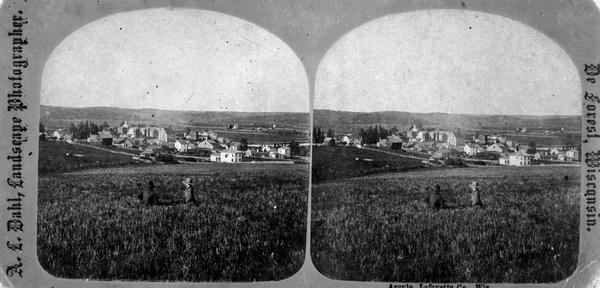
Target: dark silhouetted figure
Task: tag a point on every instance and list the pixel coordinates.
(435, 200)
(149, 197)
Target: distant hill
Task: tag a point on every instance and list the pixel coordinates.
(57, 117)
(344, 122)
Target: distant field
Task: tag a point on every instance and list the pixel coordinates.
(545, 141)
(346, 122)
(340, 162)
(264, 138)
(53, 158)
(250, 224)
(377, 228)
(207, 169)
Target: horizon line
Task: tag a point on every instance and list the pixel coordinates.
(448, 113)
(145, 108)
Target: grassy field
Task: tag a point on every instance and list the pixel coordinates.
(263, 137)
(250, 224)
(340, 162)
(53, 158)
(377, 228)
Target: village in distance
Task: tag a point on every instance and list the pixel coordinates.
(230, 141)
(374, 175)
(246, 173)
(544, 141)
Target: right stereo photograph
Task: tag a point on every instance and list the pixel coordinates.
(446, 149)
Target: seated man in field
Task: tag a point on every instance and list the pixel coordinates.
(149, 197)
(435, 200)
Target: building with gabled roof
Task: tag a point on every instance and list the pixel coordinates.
(184, 145)
(209, 144)
(472, 149)
(519, 159)
(231, 156)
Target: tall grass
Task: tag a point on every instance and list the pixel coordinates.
(93, 226)
(377, 228)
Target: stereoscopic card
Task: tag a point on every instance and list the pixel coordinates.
(300, 143)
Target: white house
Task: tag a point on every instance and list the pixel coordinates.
(93, 138)
(422, 136)
(382, 143)
(133, 131)
(328, 141)
(209, 144)
(248, 153)
(497, 147)
(453, 139)
(284, 151)
(555, 150)
(573, 154)
(231, 156)
(123, 128)
(472, 149)
(265, 148)
(504, 160)
(215, 157)
(62, 135)
(184, 145)
(346, 139)
(519, 159)
(162, 135)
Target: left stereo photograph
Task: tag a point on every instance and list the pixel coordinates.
(174, 146)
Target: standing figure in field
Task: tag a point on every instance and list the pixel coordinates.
(188, 193)
(148, 196)
(475, 194)
(435, 200)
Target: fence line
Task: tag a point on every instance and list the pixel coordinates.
(394, 153)
(106, 149)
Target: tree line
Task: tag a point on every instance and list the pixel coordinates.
(319, 135)
(83, 130)
(373, 134)
(370, 135)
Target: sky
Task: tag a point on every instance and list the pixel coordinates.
(450, 61)
(175, 59)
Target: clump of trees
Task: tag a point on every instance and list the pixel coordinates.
(369, 136)
(373, 134)
(294, 147)
(84, 129)
(243, 144)
(531, 149)
(319, 135)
